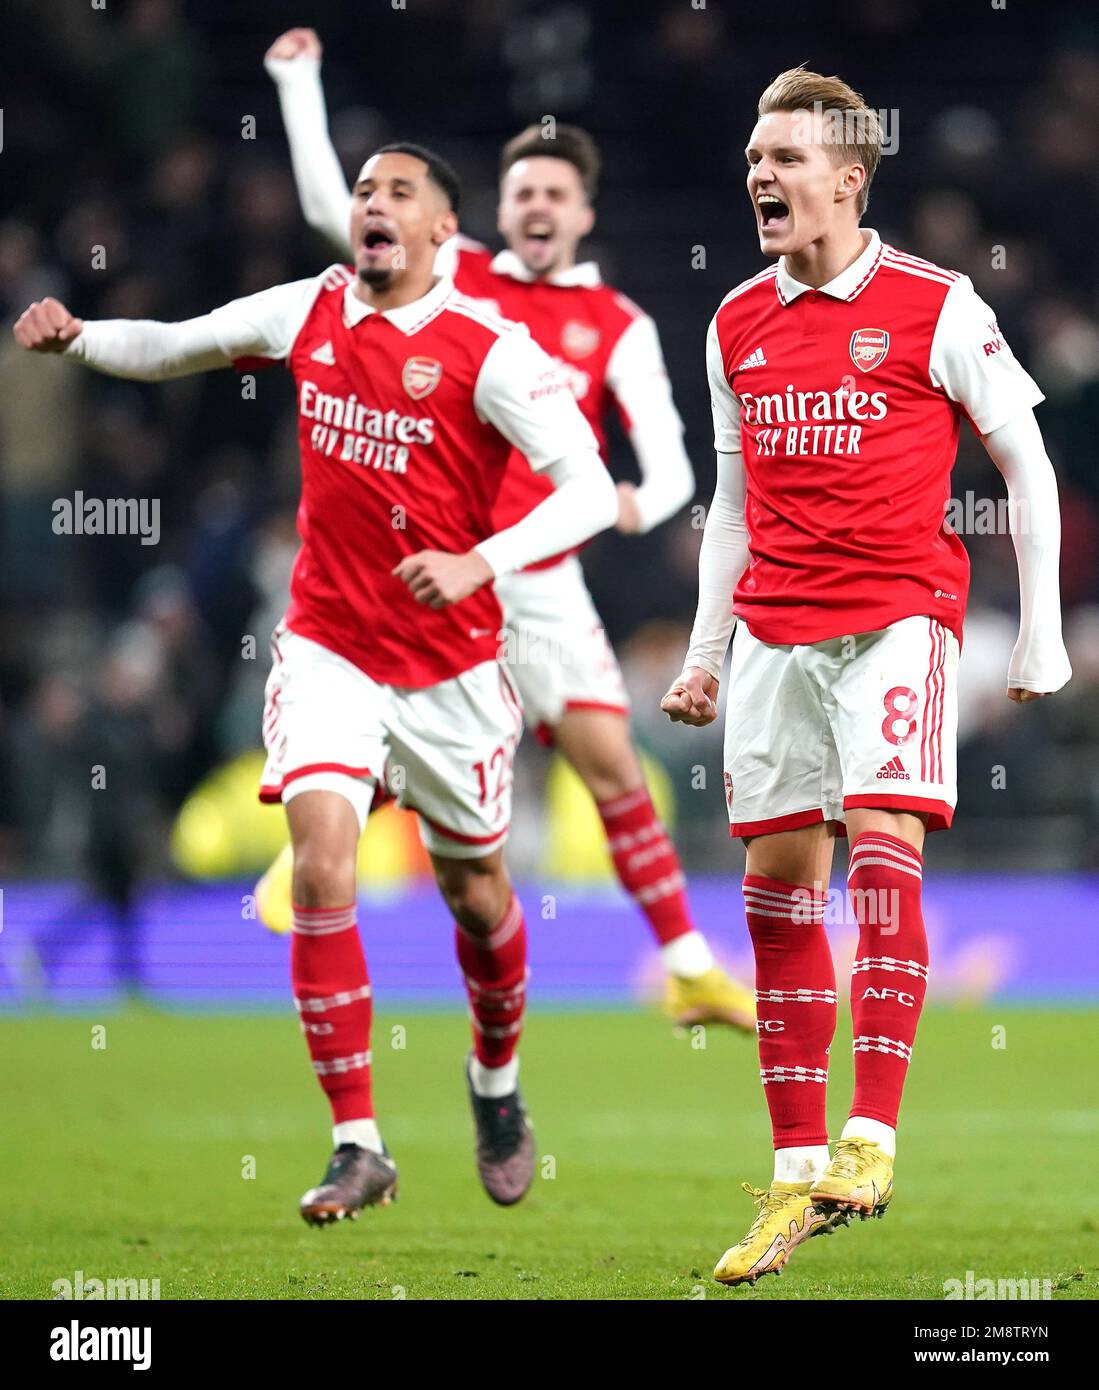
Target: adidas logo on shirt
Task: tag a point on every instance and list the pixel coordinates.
(754, 359)
(893, 770)
(324, 355)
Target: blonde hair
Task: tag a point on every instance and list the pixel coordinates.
(859, 134)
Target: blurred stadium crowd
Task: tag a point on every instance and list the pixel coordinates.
(132, 187)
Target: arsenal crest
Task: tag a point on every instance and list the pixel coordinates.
(579, 339)
(420, 376)
(868, 348)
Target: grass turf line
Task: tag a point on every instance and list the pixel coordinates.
(127, 1161)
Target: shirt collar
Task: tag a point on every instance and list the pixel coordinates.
(847, 284)
(406, 317)
(583, 276)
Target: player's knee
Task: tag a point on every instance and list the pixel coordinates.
(609, 772)
(324, 875)
(476, 899)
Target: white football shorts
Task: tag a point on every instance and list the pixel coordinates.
(445, 751)
(555, 647)
(816, 729)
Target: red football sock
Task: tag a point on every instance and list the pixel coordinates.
(889, 977)
(647, 863)
(495, 970)
(795, 1005)
(332, 994)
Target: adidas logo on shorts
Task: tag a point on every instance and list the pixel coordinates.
(893, 770)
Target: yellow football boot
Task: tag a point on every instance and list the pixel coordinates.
(712, 997)
(859, 1179)
(786, 1218)
(274, 901)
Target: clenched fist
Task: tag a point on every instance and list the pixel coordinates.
(439, 579)
(295, 43)
(47, 326)
(692, 698)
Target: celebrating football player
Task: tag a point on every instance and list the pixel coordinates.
(840, 377)
(411, 400)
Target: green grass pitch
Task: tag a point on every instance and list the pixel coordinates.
(129, 1161)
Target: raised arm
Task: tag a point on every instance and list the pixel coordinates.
(260, 325)
(639, 381)
(294, 62)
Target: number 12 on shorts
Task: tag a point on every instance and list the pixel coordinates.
(494, 774)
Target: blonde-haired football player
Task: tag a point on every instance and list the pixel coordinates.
(840, 378)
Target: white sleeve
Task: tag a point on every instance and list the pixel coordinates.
(583, 501)
(522, 392)
(723, 403)
(972, 362)
(259, 325)
(1039, 661)
(639, 380)
(322, 189)
(722, 559)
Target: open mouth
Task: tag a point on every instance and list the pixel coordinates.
(375, 239)
(538, 234)
(773, 212)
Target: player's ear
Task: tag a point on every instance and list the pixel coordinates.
(850, 183)
(587, 221)
(445, 227)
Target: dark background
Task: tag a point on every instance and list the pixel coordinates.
(123, 130)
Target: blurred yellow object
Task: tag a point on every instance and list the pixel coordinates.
(222, 828)
(712, 997)
(274, 903)
(224, 831)
(575, 843)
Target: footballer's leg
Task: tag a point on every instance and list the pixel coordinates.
(888, 983)
(273, 892)
(783, 790)
(325, 736)
(455, 743)
(895, 722)
(784, 900)
(575, 699)
(491, 943)
(333, 998)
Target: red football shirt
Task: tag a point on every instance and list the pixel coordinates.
(846, 403)
(406, 421)
(583, 325)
